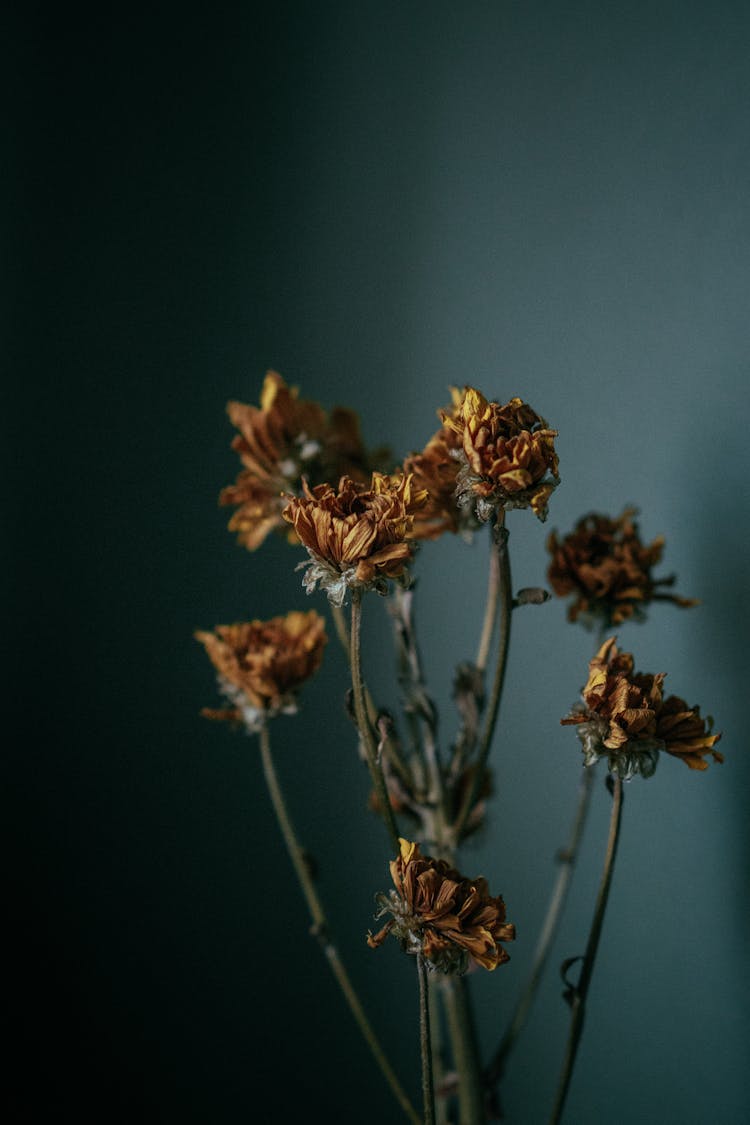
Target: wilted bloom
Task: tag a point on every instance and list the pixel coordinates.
(437, 912)
(435, 470)
(261, 664)
(281, 442)
(624, 718)
(356, 537)
(507, 455)
(685, 734)
(606, 566)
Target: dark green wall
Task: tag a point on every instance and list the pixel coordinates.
(380, 201)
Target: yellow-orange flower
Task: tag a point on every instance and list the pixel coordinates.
(280, 442)
(357, 538)
(439, 913)
(261, 664)
(604, 563)
(508, 455)
(624, 718)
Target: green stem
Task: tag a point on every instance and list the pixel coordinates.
(566, 858)
(465, 1051)
(428, 1097)
(505, 599)
(320, 927)
(579, 996)
(365, 727)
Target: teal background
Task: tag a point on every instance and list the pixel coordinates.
(379, 201)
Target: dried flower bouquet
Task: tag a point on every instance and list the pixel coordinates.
(360, 519)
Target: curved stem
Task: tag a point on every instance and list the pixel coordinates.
(490, 611)
(365, 727)
(587, 969)
(320, 927)
(566, 857)
(342, 632)
(340, 625)
(505, 599)
(428, 1096)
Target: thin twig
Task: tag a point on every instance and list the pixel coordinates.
(428, 1095)
(365, 727)
(505, 599)
(320, 927)
(578, 1000)
(566, 858)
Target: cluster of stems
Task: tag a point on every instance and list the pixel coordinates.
(444, 999)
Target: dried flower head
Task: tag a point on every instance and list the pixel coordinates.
(507, 455)
(624, 718)
(261, 664)
(279, 443)
(686, 734)
(356, 537)
(437, 912)
(604, 563)
(435, 470)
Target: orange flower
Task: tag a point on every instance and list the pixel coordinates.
(261, 664)
(278, 443)
(356, 538)
(605, 564)
(624, 718)
(447, 918)
(507, 453)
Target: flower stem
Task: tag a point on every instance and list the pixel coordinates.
(490, 610)
(578, 1002)
(365, 727)
(436, 1047)
(566, 858)
(505, 607)
(428, 1097)
(342, 632)
(320, 927)
(465, 1051)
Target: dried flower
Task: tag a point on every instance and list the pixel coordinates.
(606, 565)
(281, 442)
(435, 470)
(624, 718)
(437, 912)
(261, 664)
(357, 538)
(506, 453)
(686, 735)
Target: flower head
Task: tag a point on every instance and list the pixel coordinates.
(604, 563)
(625, 718)
(435, 470)
(356, 537)
(447, 918)
(261, 664)
(280, 442)
(507, 453)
